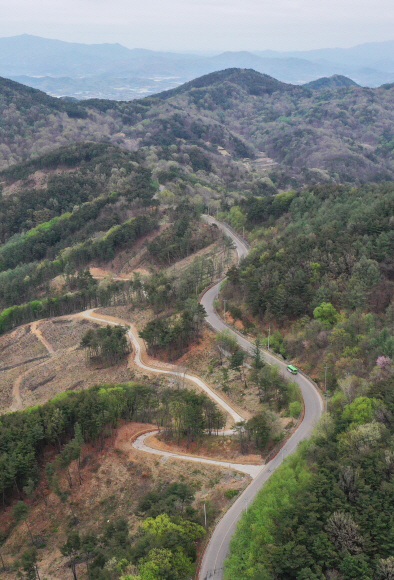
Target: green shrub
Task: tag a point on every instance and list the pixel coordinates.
(230, 493)
(295, 409)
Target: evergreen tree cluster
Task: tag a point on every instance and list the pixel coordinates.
(108, 344)
(71, 418)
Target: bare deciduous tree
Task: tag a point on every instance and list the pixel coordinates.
(344, 532)
(385, 569)
(348, 483)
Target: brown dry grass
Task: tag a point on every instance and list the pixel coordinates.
(68, 370)
(18, 346)
(65, 369)
(203, 359)
(125, 262)
(114, 480)
(7, 380)
(37, 180)
(138, 316)
(63, 333)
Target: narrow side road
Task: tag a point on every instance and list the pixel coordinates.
(251, 470)
(17, 403)
(139, 443)
(90, 314)
(37, 332)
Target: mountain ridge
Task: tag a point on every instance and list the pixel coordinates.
(287, 132)
(116, 72)
(256, 83)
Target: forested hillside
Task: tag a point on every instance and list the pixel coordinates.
(321, 269)
(320, 274)
(69, 218)
(328, 512)
(332, 135)
(101, 206)
(343, 132)
(34, 123)
(60, 439)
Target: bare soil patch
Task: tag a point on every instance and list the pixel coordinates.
(203, 359)
(64, 333)
(20, 350)
(125, 262)
(58, 283)
(18, 346)
(68, 371)
(37, 180)
(139, 317)
(176, 268)
(7, 381)
(66, 367)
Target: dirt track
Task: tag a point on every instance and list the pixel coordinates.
(16, 388)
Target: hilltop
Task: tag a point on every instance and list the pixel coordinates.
(333, 82)
(23, 98)
(252, 82)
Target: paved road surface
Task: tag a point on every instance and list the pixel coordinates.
(139, 443)
(217, 549)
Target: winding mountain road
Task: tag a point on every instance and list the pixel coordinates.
(217, 549)
(218, 546)
(139, 443)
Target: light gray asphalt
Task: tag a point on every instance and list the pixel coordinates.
(217, 549)
(139, 443)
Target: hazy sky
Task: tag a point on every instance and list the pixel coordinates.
(204, 24)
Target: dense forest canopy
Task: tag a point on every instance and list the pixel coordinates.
(328, 244)
(321, 269)
(327, 513)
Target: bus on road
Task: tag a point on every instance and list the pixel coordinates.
(293, 370)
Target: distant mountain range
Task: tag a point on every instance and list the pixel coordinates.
(112, 71)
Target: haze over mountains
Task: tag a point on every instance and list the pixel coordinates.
(113, 71)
